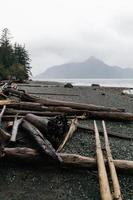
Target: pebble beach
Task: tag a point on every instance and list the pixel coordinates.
(23, 183)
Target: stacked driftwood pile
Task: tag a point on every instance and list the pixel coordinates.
(36, 129)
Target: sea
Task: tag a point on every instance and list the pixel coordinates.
(127, 83)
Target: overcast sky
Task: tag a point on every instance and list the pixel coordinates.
(60, 31)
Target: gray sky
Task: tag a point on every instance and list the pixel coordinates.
(59, 31)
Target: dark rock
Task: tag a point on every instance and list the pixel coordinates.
(95, 85)
(68, 85)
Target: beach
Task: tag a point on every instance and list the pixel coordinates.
(22, 182)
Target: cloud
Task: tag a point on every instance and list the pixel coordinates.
(59, 31)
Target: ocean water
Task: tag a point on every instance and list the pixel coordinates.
(102, 82)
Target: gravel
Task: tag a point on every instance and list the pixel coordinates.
(30, 183)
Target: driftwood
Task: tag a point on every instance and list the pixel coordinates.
(16, 125)
(6, 102)
(27, 106)
(115, 181)
(4, 136)
(117, 135)
(69, 160)
(2, 113)
(48, 102)
(69, 134)
(112, 116)
(10, 111)
(43, 144)
(53, 94)
(103, 178)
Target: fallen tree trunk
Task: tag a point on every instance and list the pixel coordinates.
(111, 116)
(69, 160)
(43, 144)
(27, 106)
(10, 111)
(53, 129)
(49, 102)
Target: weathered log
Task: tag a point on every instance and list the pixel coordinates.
(10, 111)
(49, 102)
(16, 125)
(43, 144)
(69, 134)
(111, 116)
(4, 136)
(103, 178)
(115, 181)
(27, 106)
(6, 102)
(53, 94)
(53, 128)
(69, 160)
(117, 135)
(1, 114)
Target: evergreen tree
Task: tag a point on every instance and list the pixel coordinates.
(14, 59)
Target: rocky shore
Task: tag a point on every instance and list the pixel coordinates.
(26, 182)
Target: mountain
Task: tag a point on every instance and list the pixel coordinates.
(91, 68)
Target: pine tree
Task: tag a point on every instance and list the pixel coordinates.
(14, 59)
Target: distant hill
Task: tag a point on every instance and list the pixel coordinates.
(91, 68)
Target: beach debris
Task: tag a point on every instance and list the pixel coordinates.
(103, 178)
(43, 144)
(53, 128)
(49, 102)
(44, 126)
(114, 177)
(16, 125)
(1, 114)
(72, 129)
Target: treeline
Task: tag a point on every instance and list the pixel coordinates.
(14, 59)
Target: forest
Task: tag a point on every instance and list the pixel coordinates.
(14, 59)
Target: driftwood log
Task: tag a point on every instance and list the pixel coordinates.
(43, 144)
(49, 102)
(69, 134)
(4, 136)
(69, 160)
(15, 127)
(103, 178)
(115, 181)
(1, 114)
